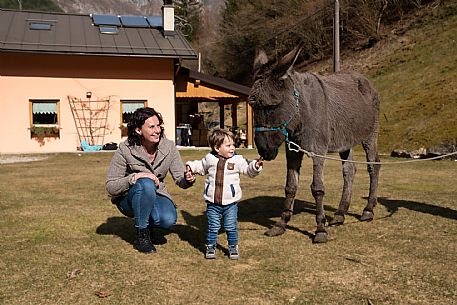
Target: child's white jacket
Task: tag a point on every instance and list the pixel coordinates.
(222, 185)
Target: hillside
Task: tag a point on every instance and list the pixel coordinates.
(415, 70)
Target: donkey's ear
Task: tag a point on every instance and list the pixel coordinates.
(260, 60)
(286, 63)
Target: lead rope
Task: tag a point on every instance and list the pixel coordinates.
(296, 148)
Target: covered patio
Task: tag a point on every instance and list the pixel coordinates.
(204, 102)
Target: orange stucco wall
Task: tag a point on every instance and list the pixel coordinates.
(24, 77)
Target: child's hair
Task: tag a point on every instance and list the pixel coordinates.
(216, 137)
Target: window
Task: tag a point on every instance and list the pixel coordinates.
(44, 118)
(127, 109)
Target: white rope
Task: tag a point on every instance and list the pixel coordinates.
(310, 154)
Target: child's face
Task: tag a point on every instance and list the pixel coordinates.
(227, 149)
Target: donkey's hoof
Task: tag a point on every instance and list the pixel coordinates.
(337, 220)
(275, 230)
(367, 216)
(320, 237)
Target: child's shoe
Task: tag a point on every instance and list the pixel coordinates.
(210, 252)
(233, 252)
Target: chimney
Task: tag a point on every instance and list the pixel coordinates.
(168, 18)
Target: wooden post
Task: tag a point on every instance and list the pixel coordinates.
(234, 114)
(250, 128)
(221, 115)
(336, 38)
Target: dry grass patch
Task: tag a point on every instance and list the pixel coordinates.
(56, 219)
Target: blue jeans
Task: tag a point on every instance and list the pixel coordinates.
(229, 214)
(147, 207)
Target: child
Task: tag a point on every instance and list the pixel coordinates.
(222, 168)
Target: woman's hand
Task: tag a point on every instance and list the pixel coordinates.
(190, 177)
(147, 175)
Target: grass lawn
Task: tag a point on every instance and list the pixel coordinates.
(62, 242)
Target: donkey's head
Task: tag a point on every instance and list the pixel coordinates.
(272, 98)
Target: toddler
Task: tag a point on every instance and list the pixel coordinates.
(222, 168)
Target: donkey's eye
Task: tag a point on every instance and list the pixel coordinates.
(279, 83)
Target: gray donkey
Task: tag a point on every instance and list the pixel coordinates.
(320, 114)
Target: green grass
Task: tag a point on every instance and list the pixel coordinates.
(56, 217)
(418, 82)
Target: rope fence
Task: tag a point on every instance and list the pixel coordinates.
(296, 148)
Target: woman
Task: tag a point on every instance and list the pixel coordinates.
(137, 172)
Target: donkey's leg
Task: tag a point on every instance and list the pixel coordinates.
(349, 170)
(371, 151)
(317, 188)
(294, 160)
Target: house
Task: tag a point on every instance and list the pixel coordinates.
(69, 79)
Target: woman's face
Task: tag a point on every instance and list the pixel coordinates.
(150, 131)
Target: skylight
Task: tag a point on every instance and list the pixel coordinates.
(109, 29)
(40, 26)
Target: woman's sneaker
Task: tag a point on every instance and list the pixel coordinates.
(210, 252)
(233, 252)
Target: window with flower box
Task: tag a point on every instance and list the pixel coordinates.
(44, 119)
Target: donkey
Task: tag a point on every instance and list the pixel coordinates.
(320, 114)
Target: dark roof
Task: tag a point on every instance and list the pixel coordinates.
(214, 81)
(76, 34)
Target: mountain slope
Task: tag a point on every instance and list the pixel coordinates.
(415, 70)
(112, 7)
(129, 7)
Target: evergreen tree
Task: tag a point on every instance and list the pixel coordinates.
(188, 17)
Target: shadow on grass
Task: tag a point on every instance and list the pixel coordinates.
(118, 225)
(393, 206)
(259, 210)
(194, 232)
(123, 227)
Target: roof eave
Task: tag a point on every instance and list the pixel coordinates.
(217, 81)
(173, 56)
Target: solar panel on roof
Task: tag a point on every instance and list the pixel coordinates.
(134, 21)
(106, 20)
(154, 21)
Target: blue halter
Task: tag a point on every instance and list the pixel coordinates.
(283, 125)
